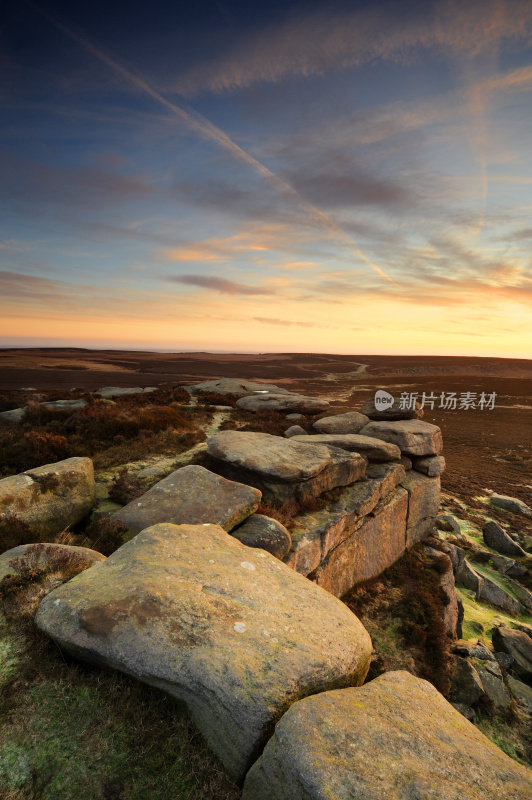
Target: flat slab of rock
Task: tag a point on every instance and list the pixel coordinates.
(66, 405)
(282, 402)
(51, 497)
(373, 449)
(13, 415)
(512, 504)
(266, 533)
(45, 558)
(234, 387)
(392, 413)
(109, 392)
(191, 495)
(413, 436)
(351, 422)
(497, 538)
(430, 465)
(396, 738)
(233, 633)
(283, 469)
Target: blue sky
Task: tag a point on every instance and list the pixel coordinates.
(298, 177)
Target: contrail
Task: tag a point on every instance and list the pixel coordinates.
(198, 123)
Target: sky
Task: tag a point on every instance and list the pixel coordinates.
(286, 177)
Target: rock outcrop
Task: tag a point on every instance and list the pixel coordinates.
(50, 498)
(393, 413)
(282, 402)
(232, 632)
(497, 538)
(395, 738)
(414, 437)
(512, 504)
(351, 422)
(283, 469)
(191, 495)
(518, 645)
(373, 449)
(233, 387)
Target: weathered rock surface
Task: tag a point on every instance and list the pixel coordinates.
(430, 465)
(51, 497)
(451, 614)
(351, 422)
(512, 504)
(472, 648)
(283, 402)
(373, 449)
(191, 495)
(66, 405)
(467, 576)
(466, 686)
(13, 415)
(406, 462)
(521, 692)
(372, 547)
(497, 538)
(41, 558)
(396, 738)
(392, 414)
(413, 436)
(234, 387)
(265, 532)
(518, 645)
(294, 430)
(523, 595)
(109, 392)
(446, 522)
(495, 595)
(508, 566)
(283, 469)
(234, 633)
(494, 686)
(423, 505)
(295, 417)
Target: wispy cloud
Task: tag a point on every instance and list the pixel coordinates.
(314, 43)
(222, 285)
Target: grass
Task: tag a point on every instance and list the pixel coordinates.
(505, 735)
(73, 732)
(488, 617)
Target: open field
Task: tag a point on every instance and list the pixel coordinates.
(484, 449)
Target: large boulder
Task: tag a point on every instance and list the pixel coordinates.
(14, 414)
(392, 413)
(373, 449)
(233, 387)
(495, 595)
(50, 498)
(233, 633)
(265, 532)
(494, 686)
(40, 559)
(283, 469)
(282, 402)
(497, 538)
(350, 422)
(396, 738)
(191, 495)
(518, 645)
(512, 504)
(413, 436)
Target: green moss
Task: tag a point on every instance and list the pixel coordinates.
(489, 617)
(504, 736)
